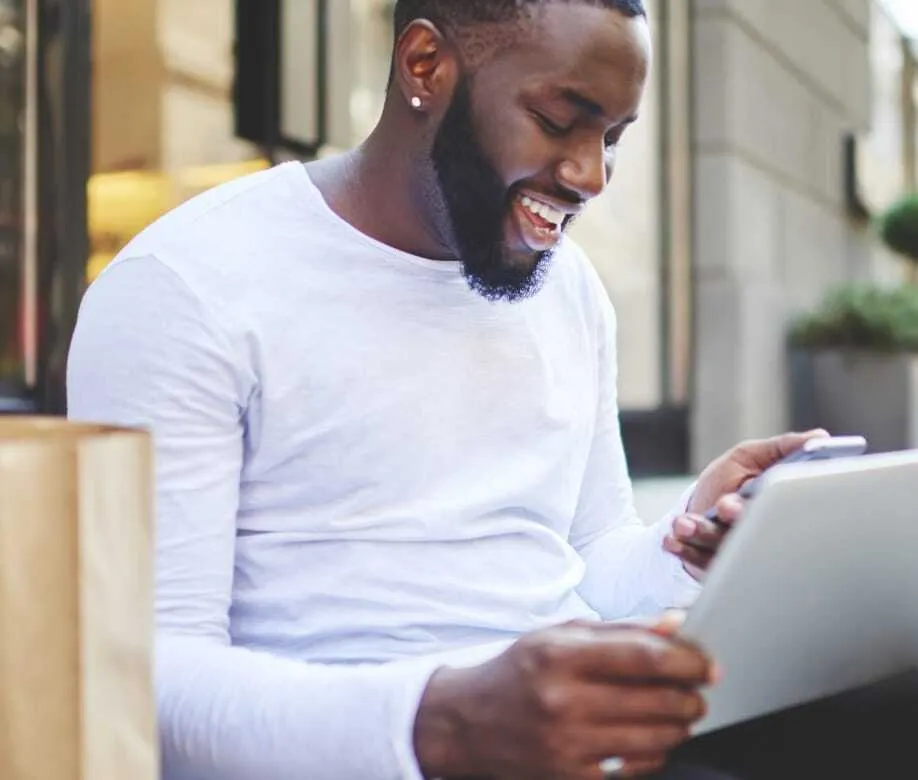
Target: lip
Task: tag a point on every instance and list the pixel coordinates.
(564, 207)
(535, 237)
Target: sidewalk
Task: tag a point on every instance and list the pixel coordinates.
(657, 497)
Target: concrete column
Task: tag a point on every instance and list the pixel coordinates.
(776, 84)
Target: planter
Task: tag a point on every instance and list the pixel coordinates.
(858, 392)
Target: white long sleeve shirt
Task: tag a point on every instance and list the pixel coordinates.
(364, 470)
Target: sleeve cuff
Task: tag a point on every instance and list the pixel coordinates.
(682, 588)
(412, 681)
(412, 677)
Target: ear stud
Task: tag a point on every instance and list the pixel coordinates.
(416, 103)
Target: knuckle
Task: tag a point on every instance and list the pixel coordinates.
(553, 701)
(698, 707)
(543, 653)
(653, 657)
(672, 702)
(748, 446)
(685, 706)
(658, 738)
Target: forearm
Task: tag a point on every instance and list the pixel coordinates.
(231, 714)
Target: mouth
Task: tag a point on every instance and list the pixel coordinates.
(540, 222)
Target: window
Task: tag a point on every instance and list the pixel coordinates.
(16, 250)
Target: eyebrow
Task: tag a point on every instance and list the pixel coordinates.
(589, 106)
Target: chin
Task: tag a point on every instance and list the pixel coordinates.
(516, 277)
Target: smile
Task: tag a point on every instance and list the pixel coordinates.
(545, 211)
(539, 222)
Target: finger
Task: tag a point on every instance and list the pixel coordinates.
(635, 704)
(632, 741)
(634, 768)
(730, 508)
(700, 532)
(633, 655)
(762, 453)
(687, 553)
(670, 622)
(642, 768)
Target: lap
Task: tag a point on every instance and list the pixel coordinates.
(863, 733)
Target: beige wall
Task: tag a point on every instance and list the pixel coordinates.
(777, 83)
(128, 71)
(161, 86)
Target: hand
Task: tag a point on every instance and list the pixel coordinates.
(560, 701)
(695, 539)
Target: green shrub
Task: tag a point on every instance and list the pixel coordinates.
(898, 227)
(862, 317)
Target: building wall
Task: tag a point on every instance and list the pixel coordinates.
(777, 83)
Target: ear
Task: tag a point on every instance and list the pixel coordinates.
(426, 66)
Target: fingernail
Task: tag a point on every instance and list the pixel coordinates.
(733, 501)
(671, 545)
(717, 674)
(685, 527)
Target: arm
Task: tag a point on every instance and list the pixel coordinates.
(147, 352)
(627, 571)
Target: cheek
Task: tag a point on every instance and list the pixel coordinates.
(522, 151)
(513, 142)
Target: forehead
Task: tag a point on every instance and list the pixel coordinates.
(594, 51)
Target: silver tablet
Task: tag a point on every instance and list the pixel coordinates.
(816, 591)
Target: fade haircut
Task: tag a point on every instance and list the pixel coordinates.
(483, 26)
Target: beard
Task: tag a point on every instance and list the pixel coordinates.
(477, 203)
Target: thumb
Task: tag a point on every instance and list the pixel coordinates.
(767, 452)
(791, 442)
(670, 622)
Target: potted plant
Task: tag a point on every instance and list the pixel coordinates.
(898, 228)
(855, 360)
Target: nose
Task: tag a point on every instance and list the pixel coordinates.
(586, 170)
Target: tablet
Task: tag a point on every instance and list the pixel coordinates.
(816, 590)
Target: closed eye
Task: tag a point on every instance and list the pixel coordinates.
(614, 136)
(549, 126)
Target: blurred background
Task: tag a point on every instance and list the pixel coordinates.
(758, 240)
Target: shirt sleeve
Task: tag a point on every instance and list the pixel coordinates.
(147, 352)
(627, 572)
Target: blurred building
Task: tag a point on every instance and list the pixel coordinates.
(769, 131)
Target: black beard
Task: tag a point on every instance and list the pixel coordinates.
(477, 202)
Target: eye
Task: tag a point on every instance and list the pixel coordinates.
(613, 137)
(549, 126)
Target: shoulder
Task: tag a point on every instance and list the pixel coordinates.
(225, 244)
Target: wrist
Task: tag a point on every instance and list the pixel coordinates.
(440, 728)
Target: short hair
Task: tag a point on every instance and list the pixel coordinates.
(456, 14)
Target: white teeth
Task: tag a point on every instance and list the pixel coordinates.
(543, 210)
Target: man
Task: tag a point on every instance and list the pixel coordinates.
(394, 516)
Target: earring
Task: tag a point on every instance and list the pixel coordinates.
(416, 103)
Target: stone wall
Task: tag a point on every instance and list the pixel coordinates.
(777, 84)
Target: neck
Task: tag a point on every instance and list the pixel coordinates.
(375, 187)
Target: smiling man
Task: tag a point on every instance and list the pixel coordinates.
(394, 519)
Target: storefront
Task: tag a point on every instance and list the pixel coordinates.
(44, 133)
(112, 112)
